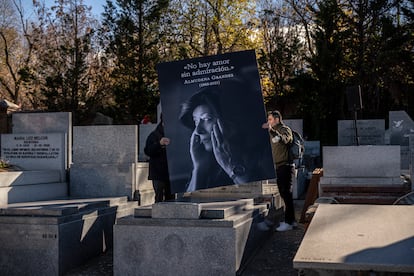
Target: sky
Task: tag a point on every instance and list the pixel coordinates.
(97, 5)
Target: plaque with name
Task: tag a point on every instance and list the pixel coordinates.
(370, 132)
(35, 151)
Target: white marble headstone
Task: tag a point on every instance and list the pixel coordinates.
(43, 151)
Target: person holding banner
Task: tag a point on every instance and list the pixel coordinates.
(155, 148)
(281, 136)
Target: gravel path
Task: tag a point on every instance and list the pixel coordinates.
(276, 255)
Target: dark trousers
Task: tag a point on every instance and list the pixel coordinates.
(284, 183)
(162, 190)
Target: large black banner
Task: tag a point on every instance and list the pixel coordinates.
(213, 113)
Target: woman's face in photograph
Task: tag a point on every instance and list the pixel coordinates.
(204, 120)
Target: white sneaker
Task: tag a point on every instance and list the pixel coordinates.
(283, 226)
(262, 226)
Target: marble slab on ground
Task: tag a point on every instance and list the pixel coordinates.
(146, 245)
(55, 211)
(179, 210)
(248, 190)
(179, 249)
(59, 207)
(346, 237)
(51, 237)
(361, 181)
(195, 209)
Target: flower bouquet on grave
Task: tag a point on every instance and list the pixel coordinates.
(5, 166)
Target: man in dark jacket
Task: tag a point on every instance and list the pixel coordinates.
(158, 166)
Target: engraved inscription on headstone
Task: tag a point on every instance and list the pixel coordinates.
(35, 151)
(31, 146)
(370, 132)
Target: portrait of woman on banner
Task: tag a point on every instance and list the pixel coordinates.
(222, 147)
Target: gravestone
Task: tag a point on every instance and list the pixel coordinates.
(104, 161)
(188, 238)
(109, 166)
(144, 192)
(41, 159)
(52, 237)
(400, 126)
(47, 122)
(102, 119)
(310, 161)
(312, 155)
(36, 151)
(361, 161)
(362, 174)
(299, 177)
(295, 124)
(370, 132)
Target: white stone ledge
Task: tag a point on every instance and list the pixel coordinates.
(364, 181)
(16, 178)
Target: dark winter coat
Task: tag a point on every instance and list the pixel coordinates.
(158, 167)
(280, 150)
